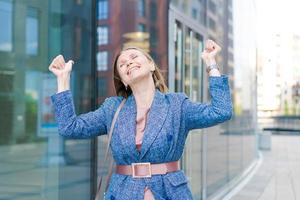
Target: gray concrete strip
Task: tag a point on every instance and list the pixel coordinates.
(278, 178)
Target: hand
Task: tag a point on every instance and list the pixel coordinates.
(210, 51)
(59, 68)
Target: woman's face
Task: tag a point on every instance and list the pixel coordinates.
(133, 65)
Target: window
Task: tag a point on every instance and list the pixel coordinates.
(102, 87)
(6, 81)
(153, 37)
(102, 35)
(230, 42)
(102, 9)
(32, 29)
(212, 24)
(102, 60)
(141, 27)
(6, 26)
(153, 11)
(141, 8)
(230, 29)
(212, 6)
(194, 13)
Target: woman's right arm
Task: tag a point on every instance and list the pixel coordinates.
(82, 126)
(69, 125)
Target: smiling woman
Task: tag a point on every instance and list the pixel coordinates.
(149, 132)
(135, 58)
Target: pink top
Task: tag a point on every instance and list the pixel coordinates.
(141, 119)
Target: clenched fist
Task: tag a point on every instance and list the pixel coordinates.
(210, 51)
(59, 68)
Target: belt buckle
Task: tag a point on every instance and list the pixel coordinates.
(148, 164)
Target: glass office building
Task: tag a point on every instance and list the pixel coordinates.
(37, 163)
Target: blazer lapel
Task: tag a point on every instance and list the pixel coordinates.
(155, 121)
(126, 128)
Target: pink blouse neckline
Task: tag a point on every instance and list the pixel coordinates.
(141, 119)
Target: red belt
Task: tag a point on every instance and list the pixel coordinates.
(146, 169)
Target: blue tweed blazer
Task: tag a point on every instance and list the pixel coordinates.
(171, 117)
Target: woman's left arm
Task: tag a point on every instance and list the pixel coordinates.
(202, 115)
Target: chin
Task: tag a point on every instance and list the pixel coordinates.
(135, 78)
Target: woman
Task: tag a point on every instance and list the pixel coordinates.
(152, 126)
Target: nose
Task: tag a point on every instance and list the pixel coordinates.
(129, 63)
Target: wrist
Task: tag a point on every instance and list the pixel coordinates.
(210, 61)
(63, 83)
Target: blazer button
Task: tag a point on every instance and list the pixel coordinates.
(112, 197)
(169, 137)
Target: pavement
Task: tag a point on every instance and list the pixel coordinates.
(278, 177)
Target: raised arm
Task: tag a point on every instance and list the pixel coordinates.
(82, 126)
(69, 125)
(202, 115)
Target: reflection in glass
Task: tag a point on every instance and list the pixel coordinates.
(102, 32)
(141, 8)
(196, 67)
(32, 31)
(37, 163)
(178, 57)
(6, 25)
(187, 62)
(102, 9)
(102, 57)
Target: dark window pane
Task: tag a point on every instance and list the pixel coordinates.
(102, 35)
(102, 59)
(6, 25)
(102, 9)
(141, 8)
(153, 11)
(212, 24)
(32, 28)
(141, 27)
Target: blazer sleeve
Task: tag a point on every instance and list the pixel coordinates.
(82, 126)
(201, 115)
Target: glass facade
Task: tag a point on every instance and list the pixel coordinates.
(36, 163)
(6, 9)
(214, 156)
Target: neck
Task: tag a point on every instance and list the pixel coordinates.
(143, 92)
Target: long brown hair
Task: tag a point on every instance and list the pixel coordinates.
(158, 78)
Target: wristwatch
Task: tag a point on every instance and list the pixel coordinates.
(213, 66)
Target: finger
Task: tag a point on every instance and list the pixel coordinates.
(61, 61)
(61, 58)
(55, 62)
(69, 64)
(52, 65)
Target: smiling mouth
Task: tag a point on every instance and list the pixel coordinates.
(131, 69)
